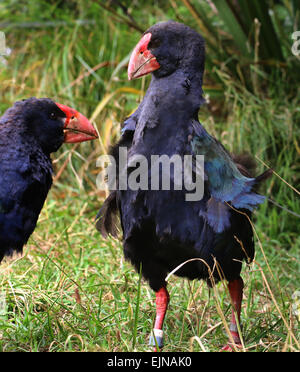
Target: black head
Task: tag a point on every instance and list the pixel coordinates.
(165, 48)
(49, 123)
(42, 120)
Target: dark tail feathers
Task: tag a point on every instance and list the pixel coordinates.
(247, 166)
(262, 177)
(107, 217)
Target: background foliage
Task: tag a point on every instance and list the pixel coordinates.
(72, 290)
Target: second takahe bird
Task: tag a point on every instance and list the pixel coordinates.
(161, 230)
(29, 132)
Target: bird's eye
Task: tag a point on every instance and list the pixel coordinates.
(52, 116)
(154, 43)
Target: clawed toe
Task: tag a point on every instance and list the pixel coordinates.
(231, 347)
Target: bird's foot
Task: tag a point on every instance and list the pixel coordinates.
(231, 347)
(236, 344)
(235, 337)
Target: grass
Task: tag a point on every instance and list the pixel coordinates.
(72, 290)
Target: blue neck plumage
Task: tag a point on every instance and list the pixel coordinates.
(176, 97)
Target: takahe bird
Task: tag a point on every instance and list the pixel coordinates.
(29, 132)
(161, 230)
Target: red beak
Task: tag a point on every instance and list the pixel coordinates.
(77, 127)
(142, 61)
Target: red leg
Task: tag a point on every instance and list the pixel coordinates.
(162, 301)
(236, 293)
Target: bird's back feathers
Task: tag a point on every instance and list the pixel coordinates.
(25, 179)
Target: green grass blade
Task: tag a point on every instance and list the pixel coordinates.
(235, 28)
(137, 308)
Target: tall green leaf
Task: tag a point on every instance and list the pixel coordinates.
(233, 25)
